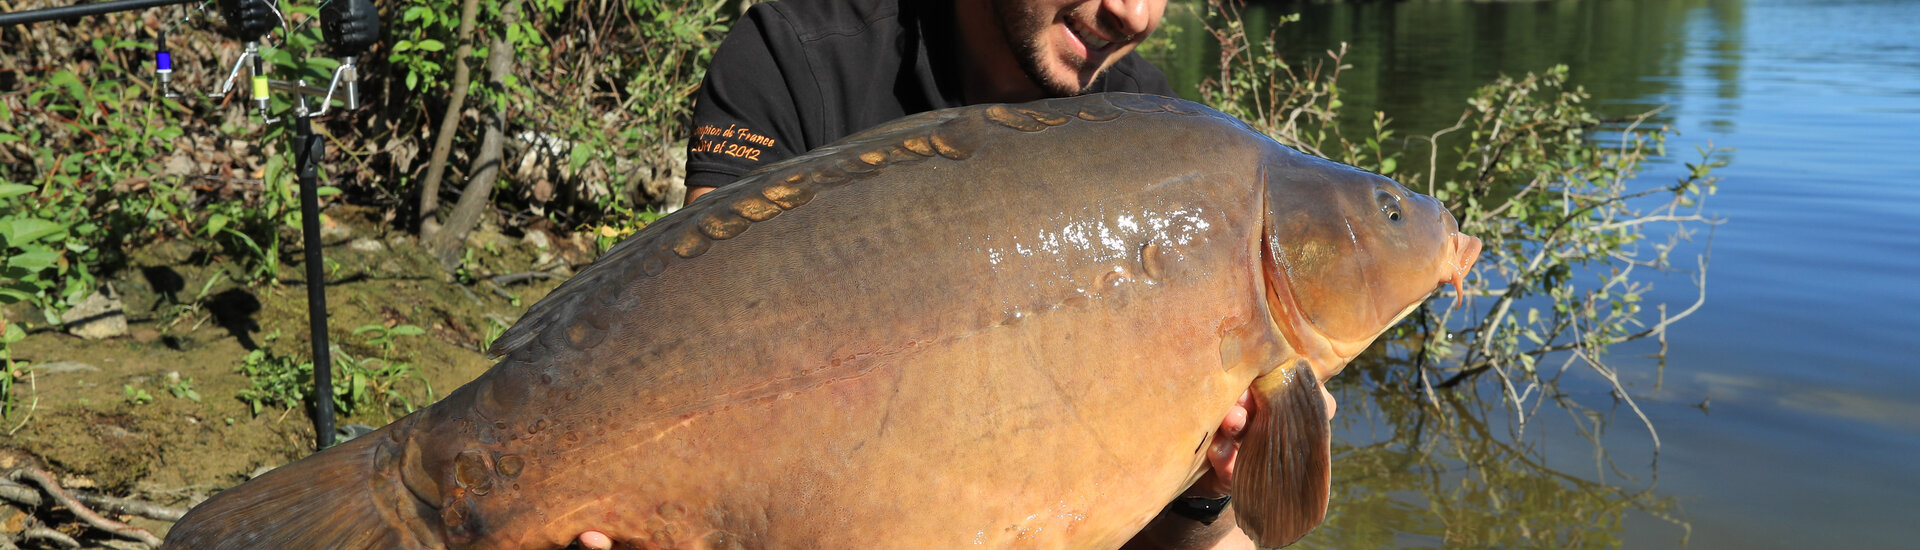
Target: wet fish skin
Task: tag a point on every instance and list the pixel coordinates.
(1006, 326)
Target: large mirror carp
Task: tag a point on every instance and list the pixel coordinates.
(994, 326)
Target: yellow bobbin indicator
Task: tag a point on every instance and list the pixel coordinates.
(260, 87)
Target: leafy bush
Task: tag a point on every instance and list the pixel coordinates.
(1554, 207)
(362, 384)
(277, 380)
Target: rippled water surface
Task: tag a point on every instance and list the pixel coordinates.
(1787, 411)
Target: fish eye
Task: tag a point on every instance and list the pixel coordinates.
(1389, 205)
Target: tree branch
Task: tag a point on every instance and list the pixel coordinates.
(447, 243)
(449, 122)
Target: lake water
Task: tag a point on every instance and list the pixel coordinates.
(1787, 409)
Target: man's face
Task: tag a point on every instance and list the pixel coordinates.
(1063, 44)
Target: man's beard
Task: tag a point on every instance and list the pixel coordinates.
(1022, 30)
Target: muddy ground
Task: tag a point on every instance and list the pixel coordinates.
(81, 415)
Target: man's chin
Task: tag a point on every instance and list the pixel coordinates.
(1058, 75)
(1061, 83)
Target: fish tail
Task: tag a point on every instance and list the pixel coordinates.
(338, 498)
(1284, 470)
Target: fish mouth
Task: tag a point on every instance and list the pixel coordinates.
(1466, 251)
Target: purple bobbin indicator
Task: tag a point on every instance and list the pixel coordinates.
(163, 61)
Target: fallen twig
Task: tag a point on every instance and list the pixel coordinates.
(20, 494)
(33, 387)
(504, 280)
(94, 519)
(131, 507)
(58, 538)
(499, 290)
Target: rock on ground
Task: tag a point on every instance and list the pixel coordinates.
(98, 317)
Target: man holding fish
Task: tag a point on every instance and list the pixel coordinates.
(749, 114)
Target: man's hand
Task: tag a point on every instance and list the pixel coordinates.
(1168, 531)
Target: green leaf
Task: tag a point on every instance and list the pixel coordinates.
(33, 260)
(431, 45)
(407, 330)
(579, 155)
(63, 78)
(11, 190)
(1387, 166)
(20, 231)
(215, 223)
(326, 191)
(9, 296)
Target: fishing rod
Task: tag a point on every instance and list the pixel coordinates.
(82, 10)
(349, 27)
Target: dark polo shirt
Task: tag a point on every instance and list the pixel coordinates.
(798, 74)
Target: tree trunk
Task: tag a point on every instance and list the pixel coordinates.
(447, 244)
(449, 123)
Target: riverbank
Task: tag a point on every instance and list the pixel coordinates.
(160, 413)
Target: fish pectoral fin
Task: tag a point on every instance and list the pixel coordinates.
(1282, 475)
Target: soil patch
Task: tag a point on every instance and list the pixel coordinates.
(119, 417)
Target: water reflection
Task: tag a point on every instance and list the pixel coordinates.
(1413, 473)
(1419, 60)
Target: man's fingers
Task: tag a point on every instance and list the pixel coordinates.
(1225, 446)
(1236, 419)
(1221, 456)
(1332, 404)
